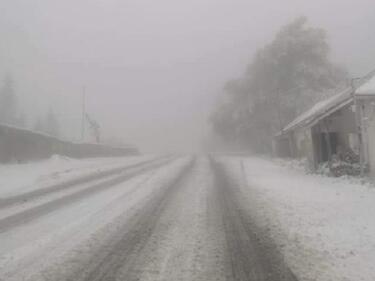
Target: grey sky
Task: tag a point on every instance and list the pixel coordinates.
(152, 68)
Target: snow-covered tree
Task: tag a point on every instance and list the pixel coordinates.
(283, 79)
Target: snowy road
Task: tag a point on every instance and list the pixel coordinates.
(159, 219)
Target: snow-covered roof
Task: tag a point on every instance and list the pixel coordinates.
(326, 107)
(367, 88)
(321, 110)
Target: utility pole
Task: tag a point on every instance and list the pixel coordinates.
(83, 113)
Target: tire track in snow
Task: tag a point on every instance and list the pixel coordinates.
(250, 255)
(187, 242)
(120, 253)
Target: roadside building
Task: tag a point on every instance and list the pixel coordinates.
(341, 128)
(365, 99)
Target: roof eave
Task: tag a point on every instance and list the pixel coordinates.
(316, 119)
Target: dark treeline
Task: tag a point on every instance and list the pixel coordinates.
(283, 79)
(11, 113)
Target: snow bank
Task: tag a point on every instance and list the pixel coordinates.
(300, 164)
(16, 178)
(323, 226)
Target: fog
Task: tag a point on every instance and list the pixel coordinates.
(152, 69)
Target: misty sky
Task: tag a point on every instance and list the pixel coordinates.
(152, 68)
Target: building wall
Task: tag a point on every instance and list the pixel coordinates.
(18, 145)
(303, 146)
(342, 121)
(281, 146)
(369, 134)
(295, 144)
(340, 128)
(310, 142)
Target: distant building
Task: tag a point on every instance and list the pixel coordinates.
(341, 125)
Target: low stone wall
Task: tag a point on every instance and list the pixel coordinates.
(19, 145)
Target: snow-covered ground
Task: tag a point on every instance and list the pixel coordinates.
(19, 178)
(71, 232)
(324, 226)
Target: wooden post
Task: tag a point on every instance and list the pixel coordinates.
(328, 140)
(358, 115)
